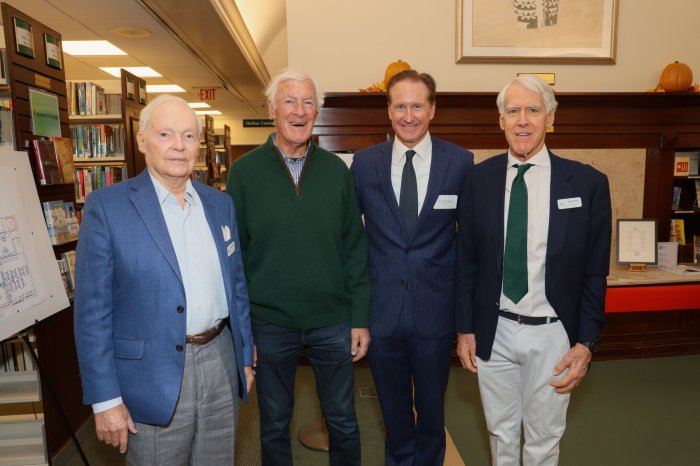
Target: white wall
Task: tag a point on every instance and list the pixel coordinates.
(346, 45)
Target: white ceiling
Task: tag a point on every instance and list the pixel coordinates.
(193, 43)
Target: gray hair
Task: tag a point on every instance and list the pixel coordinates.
(534, 84)
(145, 117)
(288, 74)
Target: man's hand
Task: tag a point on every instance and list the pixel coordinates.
(466, 350)
(360, 343)
(249, 378)
(113, 427)
(576, 359)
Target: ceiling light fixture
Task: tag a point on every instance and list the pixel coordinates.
(79, 48)
(155, 88)
(140, 71)
(207, 112)
(198, 104)
(129, 32)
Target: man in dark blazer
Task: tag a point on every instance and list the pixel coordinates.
(407, 189)
(162, 322)
(533, 256)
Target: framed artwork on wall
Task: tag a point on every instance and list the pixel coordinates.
(24, 38)
(636, 241)
(54, 53)
(536, 31)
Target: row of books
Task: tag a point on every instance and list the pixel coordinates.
(15, 356)
(678, 190)
(66, 265)
(104, 140)
(88, 98)
(62, 221)
(88, 179)
(54, 160)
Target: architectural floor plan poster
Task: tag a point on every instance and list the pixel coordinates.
(31, 288)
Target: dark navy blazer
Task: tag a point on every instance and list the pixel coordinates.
(417, 269)
(578, 250)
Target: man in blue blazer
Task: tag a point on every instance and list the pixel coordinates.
(533, 256)
(407, 189)
(162, 321)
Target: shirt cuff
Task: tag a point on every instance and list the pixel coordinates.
(105, 405)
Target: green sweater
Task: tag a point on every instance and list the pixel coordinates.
(305, 252)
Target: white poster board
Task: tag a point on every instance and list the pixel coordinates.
(31, 288)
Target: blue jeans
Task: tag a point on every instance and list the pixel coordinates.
(328, 349)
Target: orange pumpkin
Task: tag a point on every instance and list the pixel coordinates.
(393, 68)
(676, 77)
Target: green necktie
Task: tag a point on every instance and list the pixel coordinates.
(515, 255)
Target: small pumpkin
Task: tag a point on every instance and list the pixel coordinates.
(676, 77)
(393, 68)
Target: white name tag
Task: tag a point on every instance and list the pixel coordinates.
(226, 232)
(231, 248)
(570, 203)
(446, 201)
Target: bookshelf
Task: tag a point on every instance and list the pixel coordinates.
(104, 146)
(54, 335)
(685, 210)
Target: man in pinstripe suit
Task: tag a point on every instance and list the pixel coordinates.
(407, 189)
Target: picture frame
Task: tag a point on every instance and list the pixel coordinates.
(636, 241)
(54, 52)
(130, 88)
(24, 38)
(46, 118)
(581, 31)
(143, 96)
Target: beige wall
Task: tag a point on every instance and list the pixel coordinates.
(347, 45)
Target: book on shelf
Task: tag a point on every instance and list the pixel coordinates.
(71, 220)
(678, 230)
(95, 177)
(100, 140)
(696, 249)
(64, 152)
(697, 193)
(65, 276)
(676, 201)
(47, 165)
(56, 223)
(693, 163)
(85, 98)
(69, 256)
(681, 165)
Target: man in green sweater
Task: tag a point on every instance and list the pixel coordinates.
(305, 257)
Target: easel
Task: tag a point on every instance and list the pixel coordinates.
(636, 267)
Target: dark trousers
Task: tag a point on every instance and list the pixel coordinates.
(328, 349)
(410, 371)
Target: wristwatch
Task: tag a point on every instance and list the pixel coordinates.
(593, 346)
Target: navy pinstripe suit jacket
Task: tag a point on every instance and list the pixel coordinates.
(416, 269)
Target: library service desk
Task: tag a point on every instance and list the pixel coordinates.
(651, 313)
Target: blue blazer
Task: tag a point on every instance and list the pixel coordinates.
(130, 307)
(419, 268)
(578, 250)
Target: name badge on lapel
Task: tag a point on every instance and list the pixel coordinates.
(231, 248)
(570, 203)
(226, 232)
(446, 201)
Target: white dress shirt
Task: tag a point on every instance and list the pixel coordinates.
(421, 165)
(538, 180)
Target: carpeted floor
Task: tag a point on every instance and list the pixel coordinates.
(626, 413)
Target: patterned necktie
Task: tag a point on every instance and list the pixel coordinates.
(515, 255)
(408, 199)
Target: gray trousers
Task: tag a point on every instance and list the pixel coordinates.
(202, 430)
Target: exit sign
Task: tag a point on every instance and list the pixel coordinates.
(206, 93)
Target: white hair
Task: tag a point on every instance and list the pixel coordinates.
(534, 84)
(145, 117)
(288, 74)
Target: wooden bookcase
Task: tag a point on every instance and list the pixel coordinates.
(54, 336)
(658, 123)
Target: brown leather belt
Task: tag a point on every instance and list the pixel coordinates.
(205, 337)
